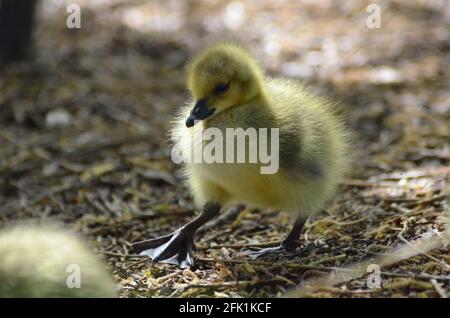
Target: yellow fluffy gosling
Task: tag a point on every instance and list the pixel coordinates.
(230, 90)
(43, 262)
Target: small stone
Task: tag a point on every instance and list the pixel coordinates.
(58, 118)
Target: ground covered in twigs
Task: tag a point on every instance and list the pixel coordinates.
(83, 140)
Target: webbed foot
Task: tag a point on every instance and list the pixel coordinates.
(175, 248)
(285, 247)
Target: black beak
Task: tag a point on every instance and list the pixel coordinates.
(199, 112)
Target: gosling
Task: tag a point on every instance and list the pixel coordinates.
(230, 90)
(44, 262)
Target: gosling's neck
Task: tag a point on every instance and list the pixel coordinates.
(228, 117)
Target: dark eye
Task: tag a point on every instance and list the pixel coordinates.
(221, 88)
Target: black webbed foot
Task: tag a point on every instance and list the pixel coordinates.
(285, 247)
(175, 248)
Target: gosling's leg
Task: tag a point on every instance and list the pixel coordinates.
(177, 248)
(288, 244)
(225, 217)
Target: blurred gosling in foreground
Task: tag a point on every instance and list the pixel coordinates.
(230, 90)
(42, 262)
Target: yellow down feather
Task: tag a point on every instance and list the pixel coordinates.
(313, 139)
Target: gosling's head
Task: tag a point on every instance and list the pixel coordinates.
(222, 77)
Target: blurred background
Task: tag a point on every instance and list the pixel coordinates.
(85, 115)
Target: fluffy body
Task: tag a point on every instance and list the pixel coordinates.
(34, 263)
(312, 138)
